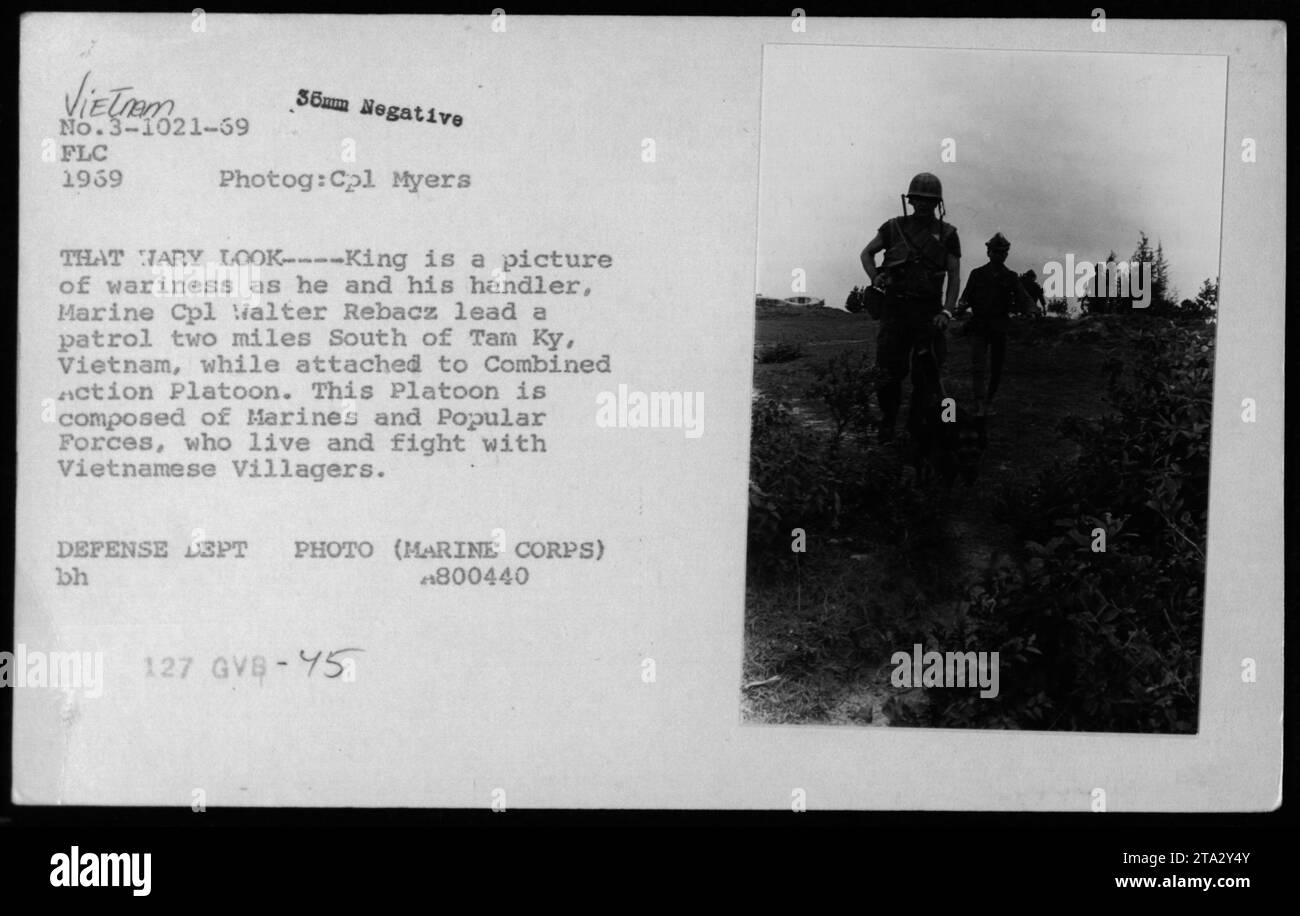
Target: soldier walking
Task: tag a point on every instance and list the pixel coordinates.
(993, 292)
(1029, 280)
(922, 253)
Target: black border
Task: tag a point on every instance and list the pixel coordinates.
(320, 856)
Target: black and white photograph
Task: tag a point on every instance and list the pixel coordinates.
(985, 323)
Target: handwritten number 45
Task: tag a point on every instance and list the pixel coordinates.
(329, 660)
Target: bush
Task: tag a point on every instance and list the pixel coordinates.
(846, 385)
(781, 488)
(798, 478)
(1105, 640)
(1187, 310)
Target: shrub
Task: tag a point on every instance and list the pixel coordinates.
(1109, 640)
(799, 479)
(782, 488)
(846, 385)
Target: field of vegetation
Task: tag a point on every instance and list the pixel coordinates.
(1102, 425)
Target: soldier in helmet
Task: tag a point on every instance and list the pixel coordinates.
(919, 275)
(993, 292)
(1029, 280)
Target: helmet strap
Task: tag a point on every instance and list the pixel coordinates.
(943, 211)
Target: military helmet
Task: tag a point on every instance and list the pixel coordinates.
(925, 185)
(999, 242)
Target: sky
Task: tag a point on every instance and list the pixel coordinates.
(1063, 153)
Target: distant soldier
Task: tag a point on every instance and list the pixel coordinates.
(1029, 280)
(921, 253)
(992, 293)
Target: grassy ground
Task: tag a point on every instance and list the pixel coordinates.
(819, 639)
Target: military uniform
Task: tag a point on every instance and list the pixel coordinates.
(1034, 291)
(993, 291)
(915, 263)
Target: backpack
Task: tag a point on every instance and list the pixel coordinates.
(917, 266)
